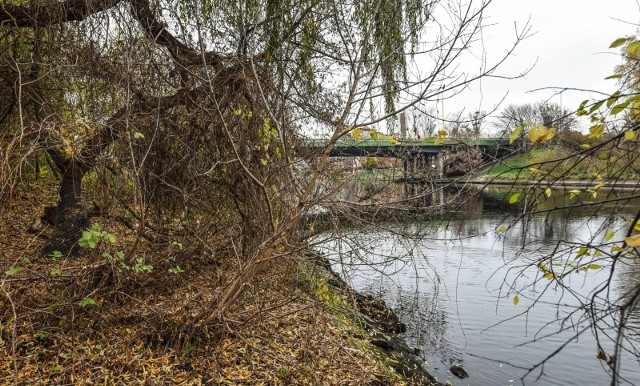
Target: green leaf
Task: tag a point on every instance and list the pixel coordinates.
(633, 49)
(516, 133)
(438, 141)
(501, 229)
(55, 254)
(584, 251)
(613, 99)
(618, 42)
(583, 104)
(514, 198)
(614, 76)
(616, 248)
(609, 235)
(516, 300)
(14, 270)
(55, 271)
(86, 302)
(594, 266)
(619, 107)
(596, 106)
(138, 135)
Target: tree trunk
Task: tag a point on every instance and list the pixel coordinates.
(72, 217)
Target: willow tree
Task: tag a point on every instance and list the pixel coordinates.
(176, 94)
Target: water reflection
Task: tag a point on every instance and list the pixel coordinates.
(449, 279)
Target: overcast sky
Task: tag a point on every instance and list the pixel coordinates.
(569, 47)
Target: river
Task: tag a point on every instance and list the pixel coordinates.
(453, 280)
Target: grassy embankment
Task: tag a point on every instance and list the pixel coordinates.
(556, 162)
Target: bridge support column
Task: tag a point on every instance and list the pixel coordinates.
(440, 165)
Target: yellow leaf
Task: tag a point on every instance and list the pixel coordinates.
(501, 229)
(357, 134)
(442, 133)
(534, 170)
(596, 131)
(585, 146)
(537, 133)
(516, 300)
(548, 192)
(550, 134)
(516, 133)
(630, 135)
(609, 235)
(541, 134)
(633, 241)
(438, 141)
(514, 198)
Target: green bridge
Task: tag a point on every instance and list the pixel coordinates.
(405, 148)
(420, 159)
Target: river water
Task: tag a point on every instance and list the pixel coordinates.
(453, 280)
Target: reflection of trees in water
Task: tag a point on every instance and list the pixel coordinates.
(380, 252)
(627, 285)
(426, 318)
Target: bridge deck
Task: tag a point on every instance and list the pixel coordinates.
(386, 148)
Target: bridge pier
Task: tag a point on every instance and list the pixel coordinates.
(423, 165)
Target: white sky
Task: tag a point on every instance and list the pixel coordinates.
(570, 43)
